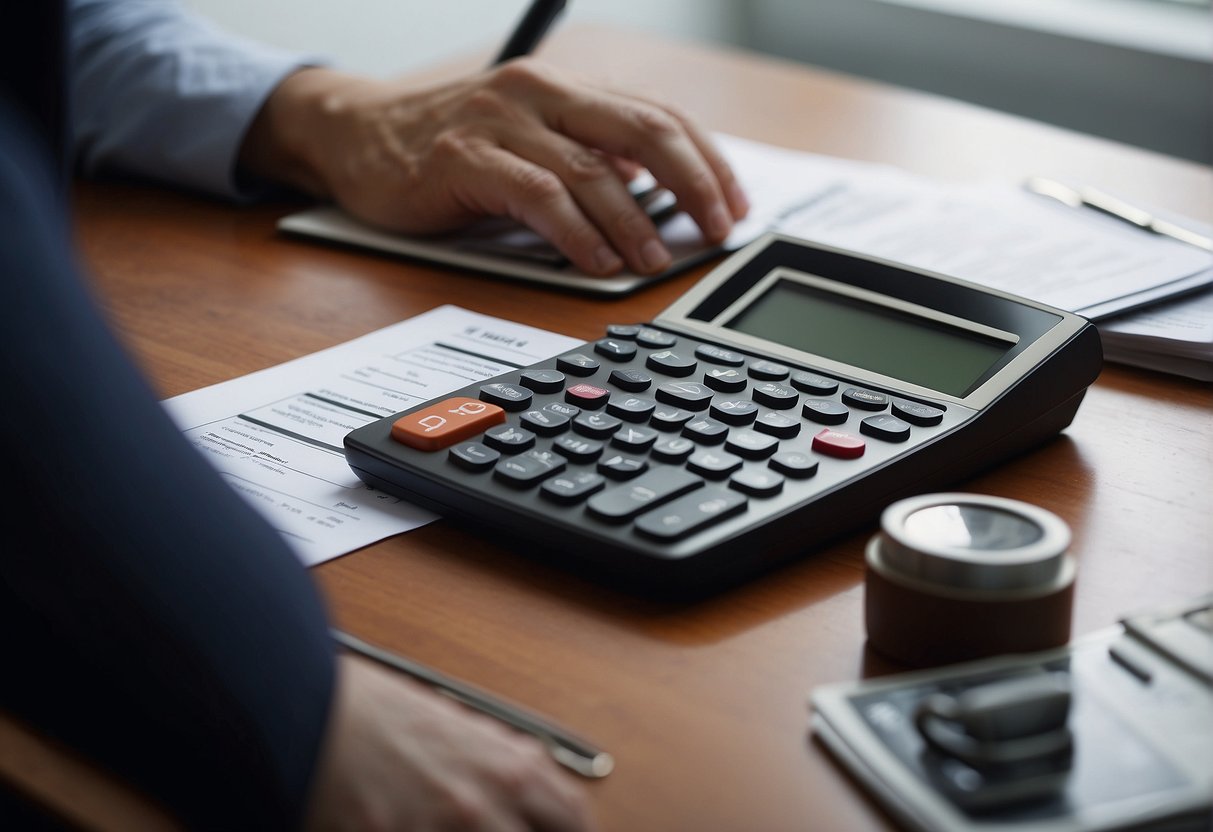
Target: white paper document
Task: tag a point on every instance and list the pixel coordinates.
(276, 435)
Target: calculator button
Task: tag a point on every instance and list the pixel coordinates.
(634, 439)
(759, 482)
(529, 468)
(508, 396)
(768, 370)
(671, 363)
(647, 491)
(620, 467)
(778, 396)
(778, 425)
(543, 381)
(865, 399)
(751, 444)
(631, 408)
(673, 449)
(577, 364)
(655, 339)
(587, 395)
(719, 356)
(726, 379)
(631, 380)
(691, 513)
(669, 418)
(472, 456)
(596, 425)
(445, 423)
(544, 422)
(561, 409)
(838, 444)
(628, 332)
(686, 394)
(705, 431)
(509, 439)
(577, 449)
(734, 411)
(615, 349)
(572, 488)
(715, 465)
(814, 384)
(918, 414)
(794, 464)
(825, 411)
(888, 428)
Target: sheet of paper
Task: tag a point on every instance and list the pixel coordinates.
(276, 435)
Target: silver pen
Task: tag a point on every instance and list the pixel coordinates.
(571, 752)
(1087, 197)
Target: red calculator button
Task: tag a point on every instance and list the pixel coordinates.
(442, 425)
(587, 395)
(839, 444)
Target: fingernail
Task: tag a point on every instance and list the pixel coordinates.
(654, 256)
(606, 261)
(719, 223)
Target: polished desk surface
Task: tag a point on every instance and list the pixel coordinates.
(703, 705)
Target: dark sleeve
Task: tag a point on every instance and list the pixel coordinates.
(150, 618)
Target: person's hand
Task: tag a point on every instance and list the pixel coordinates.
(519, 140)
(398, 756)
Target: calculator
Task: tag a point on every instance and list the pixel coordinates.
(788, 397)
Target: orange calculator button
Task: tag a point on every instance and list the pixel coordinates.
(442, 425)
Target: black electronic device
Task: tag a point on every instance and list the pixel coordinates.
(790, 395)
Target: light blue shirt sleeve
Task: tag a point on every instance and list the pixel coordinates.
(159, 92)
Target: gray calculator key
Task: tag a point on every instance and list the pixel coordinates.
(795, 464)
(631, 408)
(620, 467)
(472, 456)
(529, 468)
(715, 465)
(688, 394)
(672, 449)
(778, 425)
(734, 411)
(717, 355)
(768, 370)
(632, 380)
(628, 332)
(577, 364)
(567, 489)
(691, 513)
(778, 396)
(916, 413)
(825, 411)
(577, 449)
(507, 396)
(615, 349)
(814, 384)
(671, 363)
(655, 339)
(509, 439)
(596, 425)
(886, 427)
(544, 422)
(705, 431)
(634, 439)
(647, 491)
(758, 482)
(726, 379)
(865, 399)
(543, 381)
(669, 418)
(751, 444)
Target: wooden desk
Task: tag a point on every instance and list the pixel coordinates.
(704, 706)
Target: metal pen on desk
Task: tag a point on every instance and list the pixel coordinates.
(530, 30)
(568, 750)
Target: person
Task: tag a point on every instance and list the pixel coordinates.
(156, 623)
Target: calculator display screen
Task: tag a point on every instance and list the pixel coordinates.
(882, 339)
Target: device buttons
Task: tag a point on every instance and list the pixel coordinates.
(838, 444)
(865, 399)
(918, 414)
(691, 513)
(445, 423)
(888, 428)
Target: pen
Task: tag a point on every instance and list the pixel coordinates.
(531, 29)
(570, 751)
(1086, 197)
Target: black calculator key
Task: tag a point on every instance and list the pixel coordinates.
(814, 384)
(529, 468)
(705, 431)
(669, 418)
(768, 370)
(673, 449)
(577, 364)
(543, 381)
(634, 439)
(561, 409)
(715, 465)
(544, 422)
(567, 489)
(625, 502)
(825, 411)
(671, 363)
(795, 464)
(472, 456)
(655, 339)
(758, 482)
(615, 349)
(587, 396)
(691, 513)
(631, 408)
(778, 396)
(506, 396)
(886, 427)
(778, 425)
(916, 413)
(596, 425)
(751, 444)
(509, 439)
(626, 331)
(726, 379)
(718, 355)
(578, 448)
(865, 399)
(734, 411)
(619, 467)
(631, 380)
(688, 394)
